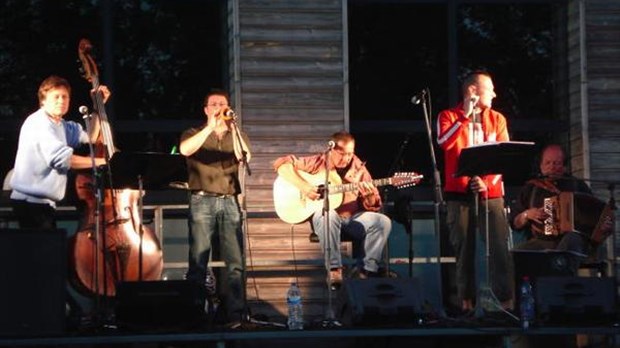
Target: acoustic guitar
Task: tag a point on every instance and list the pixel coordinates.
(293, 207)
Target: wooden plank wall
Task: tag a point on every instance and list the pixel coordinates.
(597, 154)
(288, 86)
(288, 83)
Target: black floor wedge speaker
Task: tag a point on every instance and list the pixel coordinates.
(160, 304)
(33, 268)
(380, 301)
(583, 301)
(539, 263)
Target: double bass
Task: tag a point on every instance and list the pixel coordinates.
(111, 244)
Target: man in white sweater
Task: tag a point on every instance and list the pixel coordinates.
(45, 155)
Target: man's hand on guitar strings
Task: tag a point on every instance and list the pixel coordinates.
(312, 192)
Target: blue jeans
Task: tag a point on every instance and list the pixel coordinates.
(373, 228)
(207, 216)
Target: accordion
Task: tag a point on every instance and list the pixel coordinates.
(579, 212)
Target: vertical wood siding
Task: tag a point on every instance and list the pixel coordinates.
(602, 37)
(287, 85)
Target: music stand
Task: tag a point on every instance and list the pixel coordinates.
(484, 159)
(146, 170)
(155, 171)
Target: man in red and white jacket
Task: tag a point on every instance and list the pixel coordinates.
(472, 122)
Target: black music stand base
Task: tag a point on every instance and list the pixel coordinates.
(252, 321)
(486, 302)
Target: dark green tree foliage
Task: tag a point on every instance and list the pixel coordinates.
(514, 43)
(165, 54)
(37, 39)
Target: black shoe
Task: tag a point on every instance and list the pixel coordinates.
(365, 274)
(385, 273)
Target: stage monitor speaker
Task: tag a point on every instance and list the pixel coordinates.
(160, 304)
(33, 267)
(539, 263)
(575, 300)
(380, 301)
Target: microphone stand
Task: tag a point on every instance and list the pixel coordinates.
(98, 192)
(393, 167)
(245, 170)
(244, 228)
(486, 301)
(330, 319)
(244, 153)
(439, 202)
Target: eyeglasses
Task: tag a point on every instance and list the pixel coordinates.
(217, 104)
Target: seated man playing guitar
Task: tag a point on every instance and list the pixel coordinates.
(359, 208)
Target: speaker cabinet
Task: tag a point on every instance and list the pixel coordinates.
(575, 300)
(160, 304)
(539, 263)
(33, 267)
(380, 301)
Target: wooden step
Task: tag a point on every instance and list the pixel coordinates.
(278, 253)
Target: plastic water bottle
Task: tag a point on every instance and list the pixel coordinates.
(210, 284)
(211, 299)
(295, 309)
(527, 305)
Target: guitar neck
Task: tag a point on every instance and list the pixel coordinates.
(354, 185)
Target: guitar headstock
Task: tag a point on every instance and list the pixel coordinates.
(406, 179)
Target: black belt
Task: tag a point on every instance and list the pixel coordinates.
(209, 194)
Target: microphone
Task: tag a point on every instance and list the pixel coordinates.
(416, 99)
(475, 112)
(229, 113)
